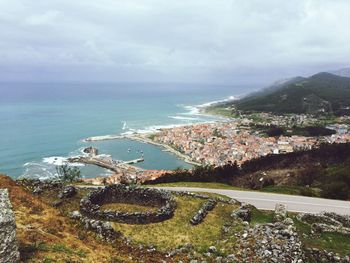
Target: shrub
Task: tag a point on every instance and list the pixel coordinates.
(307, 191)
(275, 132)
(67, 173)
(335, 190)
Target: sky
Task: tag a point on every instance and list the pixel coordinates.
(191, 41)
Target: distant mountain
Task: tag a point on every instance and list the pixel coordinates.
(344, 72)
(320, 93)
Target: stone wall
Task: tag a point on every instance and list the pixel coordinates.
(8, 243)
(327, 222)
(90, 205)
(203, 211)
(318, 255)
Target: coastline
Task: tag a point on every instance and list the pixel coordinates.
(143, 138)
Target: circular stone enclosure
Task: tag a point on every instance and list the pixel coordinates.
(90, 205)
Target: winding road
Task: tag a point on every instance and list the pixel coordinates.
(267, 201)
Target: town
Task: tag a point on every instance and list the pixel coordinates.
(236, 141)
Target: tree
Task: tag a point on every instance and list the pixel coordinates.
(275, 132)
(67, 173)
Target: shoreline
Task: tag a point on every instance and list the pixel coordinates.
(144, 139)
(202, 109)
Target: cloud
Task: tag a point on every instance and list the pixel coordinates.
(47, 18)
(218, 41)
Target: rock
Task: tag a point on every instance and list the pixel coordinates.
(75, 215)
(280, 212)
(203, 211)
(8, 242)
(91, 150)
(327, 222)
(67, 192)
(288, 221)
(212, 249)
(37, 190)
(268, 243)
(37, 186)
(316, 255)
(244, 213)
(103, 229)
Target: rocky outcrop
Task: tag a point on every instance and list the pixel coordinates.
(327, 222)
(37, 186)
(280, 213)
(67, 192)
(344, 219)
(244, 213)
(91, 150)
(318, 219)
(203, 211)
(267, 243)
(8, 243)
(103, 229)
(317, 255)
(90, 205)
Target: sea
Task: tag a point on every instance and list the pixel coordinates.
(41, 124)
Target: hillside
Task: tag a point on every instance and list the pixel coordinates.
(45, 234)
(320, 93)
(344, 72)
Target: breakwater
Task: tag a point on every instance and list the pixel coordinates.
(145, 139)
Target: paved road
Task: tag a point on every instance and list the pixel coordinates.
(268, 201)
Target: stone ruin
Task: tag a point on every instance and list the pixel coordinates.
(90, 205)
(203, 211)
(8, 243)
(327, 222)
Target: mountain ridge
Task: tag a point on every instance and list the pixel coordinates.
(323, 92)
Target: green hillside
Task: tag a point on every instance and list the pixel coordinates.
(320, 93)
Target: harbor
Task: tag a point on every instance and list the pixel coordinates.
(107, 162)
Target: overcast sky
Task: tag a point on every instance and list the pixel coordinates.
(204, 41)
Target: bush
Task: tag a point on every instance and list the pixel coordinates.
(308, 175)
(67, 173)
(336, 190)
(307, 191)
(275, 132)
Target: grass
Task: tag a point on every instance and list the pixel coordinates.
(178, 231)
(128, 207)
(261, 217)
(335, 242)
(274, 189)
(221, 111)
(281, 189)
(290, 190)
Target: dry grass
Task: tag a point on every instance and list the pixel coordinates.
(45, 235)
(178, 231)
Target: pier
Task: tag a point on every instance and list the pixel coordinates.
(115, 166)
(139, 160)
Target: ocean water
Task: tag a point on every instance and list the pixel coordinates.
(43, 123)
